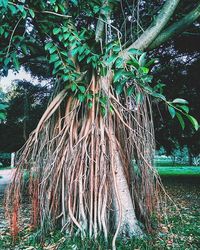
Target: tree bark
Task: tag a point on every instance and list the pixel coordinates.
(126, 223)
(155, 28)
(176, 28)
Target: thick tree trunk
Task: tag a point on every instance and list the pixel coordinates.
(126, 223)
(125, 218)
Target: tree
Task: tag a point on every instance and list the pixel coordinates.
(178, 69)
(99, 122)
(26, 104)
(3, 106)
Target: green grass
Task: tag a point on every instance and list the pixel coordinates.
(179, 171)
(179, 230)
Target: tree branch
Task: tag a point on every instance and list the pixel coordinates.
(155, 28)
(100, 24)
(176, 28)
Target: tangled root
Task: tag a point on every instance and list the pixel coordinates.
(71, 157)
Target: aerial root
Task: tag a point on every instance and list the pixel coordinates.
(73, 158)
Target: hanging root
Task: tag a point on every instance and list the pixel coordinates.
(89, 173)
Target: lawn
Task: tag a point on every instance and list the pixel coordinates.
(179, 171)
(180, 229)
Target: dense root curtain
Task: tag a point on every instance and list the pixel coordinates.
(90, 172)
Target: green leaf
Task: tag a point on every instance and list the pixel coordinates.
(57, 63)
(179, 100)
(103, 111)
(6, 61)
(119, 62)
(74, 51)
(151, 62)
(96, 9)
(16, 63)
(24, 49)
(193, 121)
(48, 45)
(75, 2)
(81, 97)
(1, 30)
(56, 8)
(56, 31)
(116, 48)
(53, 58)
(66, 36)
(119, 88)
(90, 105)
(65, 53)
(144, 70)
(82, 89)
(32, 13)
(172, 111)
(73, 87)
(3, 106)
(106, 9)
(2, 116)
(65, 29)
(142, 59)
(111, 59)
(118, 75)
(180, 118)
(109, 46)
(134, 62)
(184, 108)
(130, 90)
(135, 52)
(20, 8)
(12, 9)
(158, 95)
(4, 3)
(65, 77)
(52, 49)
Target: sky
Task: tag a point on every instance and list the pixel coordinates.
(5, 82)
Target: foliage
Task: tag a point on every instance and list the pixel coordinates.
(26, 104)
(3, 106)
(178, 68)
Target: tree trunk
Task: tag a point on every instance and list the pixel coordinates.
(79, 161)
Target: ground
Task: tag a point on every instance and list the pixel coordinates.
(179, 230)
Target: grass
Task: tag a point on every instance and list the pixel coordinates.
(179, 230)
(179, 171)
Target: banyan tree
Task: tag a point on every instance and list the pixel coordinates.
(90, 158)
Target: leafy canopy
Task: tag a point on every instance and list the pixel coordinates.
(68, 36)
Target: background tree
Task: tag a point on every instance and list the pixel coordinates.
(3, 106)
(27, 103)
(99, 121)
(181, 75)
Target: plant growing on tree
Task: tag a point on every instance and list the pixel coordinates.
(91, 156)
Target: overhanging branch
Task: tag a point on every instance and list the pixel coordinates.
(100, 24)
(176, 28)
(149, 35)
